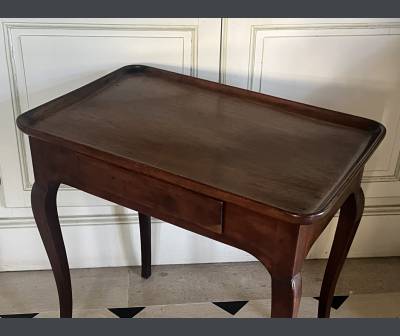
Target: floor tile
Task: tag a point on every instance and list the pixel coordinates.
(308, 308)
(262, 309)
(370, 305)
(36, 290)
(174, 284)
(27, 291)
(194, 310)
(100, 287)
(87, 313)
(369, 275)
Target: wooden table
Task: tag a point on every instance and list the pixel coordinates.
(257, 172)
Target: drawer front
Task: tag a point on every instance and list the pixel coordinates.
(178, 202)
(145, 193)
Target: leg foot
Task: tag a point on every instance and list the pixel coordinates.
(145, 242)
(286, 295)
(44, 209)
(349, 218)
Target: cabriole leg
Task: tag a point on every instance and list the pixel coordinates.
(349, 219)
(44, 209)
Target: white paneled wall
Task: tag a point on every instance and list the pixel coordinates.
(344, 64)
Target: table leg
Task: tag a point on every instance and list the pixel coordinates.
(145, 243)
(44, 207)
(286, 295)
(349, 218)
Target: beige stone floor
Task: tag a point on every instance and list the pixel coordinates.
(373, 286)
(363, 305)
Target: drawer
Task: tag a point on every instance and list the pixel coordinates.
(147, 194)
(178, 202)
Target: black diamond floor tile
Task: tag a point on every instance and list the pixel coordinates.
(337, 301)
(126, 312)
(232, 307)
(19, 315)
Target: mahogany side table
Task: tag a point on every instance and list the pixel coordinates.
(253, 171)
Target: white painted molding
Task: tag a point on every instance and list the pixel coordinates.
(90, 220)
(282, 30)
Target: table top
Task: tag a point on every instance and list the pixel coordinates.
(282, 154)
